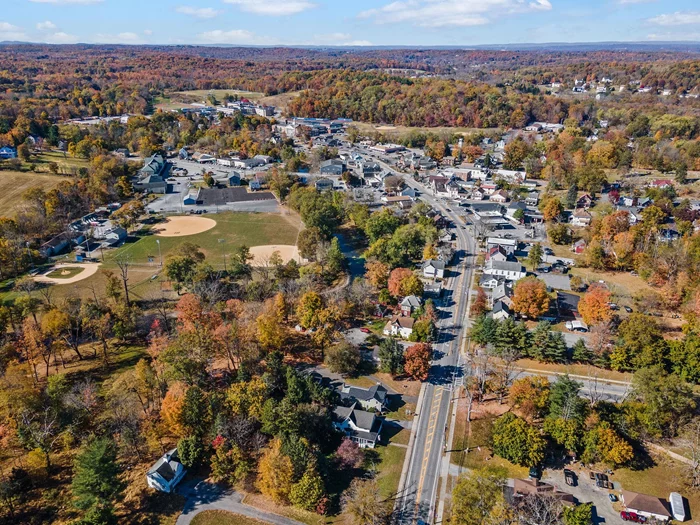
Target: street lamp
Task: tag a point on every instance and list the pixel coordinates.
(160, 255)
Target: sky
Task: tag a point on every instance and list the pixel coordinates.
(348, 22)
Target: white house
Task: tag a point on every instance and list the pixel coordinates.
(433, 269)
(508, 270)
(581, 217)
(362, 427)
(166, 473)
(644, 505)
(500, 311)
(401, 326)
(509, 245)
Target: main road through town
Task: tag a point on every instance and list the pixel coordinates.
(418, 491)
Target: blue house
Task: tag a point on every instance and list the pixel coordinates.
(8, 152)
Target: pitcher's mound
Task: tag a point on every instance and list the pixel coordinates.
(261, 254)
(182, 225)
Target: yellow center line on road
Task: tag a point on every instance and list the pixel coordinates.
(432, 428)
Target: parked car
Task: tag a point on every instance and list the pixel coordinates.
(535, 472)
(632, 516)
(365, 330)
(612, 497)
(570, 477)
(627, 309)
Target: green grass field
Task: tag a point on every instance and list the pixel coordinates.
(389, 469)
(234, 228)
(65, 272)
(176, 99)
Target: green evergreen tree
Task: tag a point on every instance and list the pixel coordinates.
(571, 197)
(190, 450)
(391, 356)
(96, 474)
(581, 353)
(308, 491)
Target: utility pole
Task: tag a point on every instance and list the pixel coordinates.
(223, 249)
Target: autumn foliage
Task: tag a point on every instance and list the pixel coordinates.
(417, 361)
(594, 306)
(530, 297)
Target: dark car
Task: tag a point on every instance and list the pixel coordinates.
(535, 472)
(570, 477)
(627, 309)
(612, 497)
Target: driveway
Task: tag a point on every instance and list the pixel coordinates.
(209, 496)
(585, 491)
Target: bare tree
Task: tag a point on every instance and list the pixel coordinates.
(42, 428)
(690, 441)
(505, 373)
(540, 509)
(124, 263)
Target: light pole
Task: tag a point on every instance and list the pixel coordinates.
(160, 255)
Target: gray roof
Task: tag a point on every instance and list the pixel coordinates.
(355, 393)
(500, 306)
(412, 301)
(362, 419)
(506, 265)
(164, 466)
(439, 265)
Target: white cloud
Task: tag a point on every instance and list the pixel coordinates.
(11, 32)
(66, 2)
(61, 38)
(627, 2)
(198, 12)
(126, 37)
(456, 13)
(234, 36)
(147, 32)
(272, 7)
(45, 26)
(679, 18)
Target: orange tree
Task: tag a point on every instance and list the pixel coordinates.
(594, 306)
(530, 297)
(417, 361)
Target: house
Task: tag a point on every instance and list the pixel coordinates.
(55, 245)
(584, 201)
(122, 152)
(333, 167)
(203, 158)
(230, 180)
(8, 152)
(372, 398)
(496, 253)
(579, 246)
(183, 154)
(401, 326)
(512, 271)
(369, 169)
(527, 487)
(478, 194)
(634, 215)
(503, 292)
(247, 164)
(152, 184)
(410, 304)
(323, 184)
(361, 427)
(432, 289)
(513, 208)
(500, 196)
(409, 192)
(567, 304)
(255, 184)
(500, 311)
(647, 506)
(489, 282)
(581, 217)
(509, 245)
(489, 188)
(433, 269)
(166, 473)
(267, 159)
(153, 165)
(661, 184)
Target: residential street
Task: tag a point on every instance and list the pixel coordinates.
(418, 492)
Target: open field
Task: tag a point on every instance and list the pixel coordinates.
(279, 101)
(575, 369)
(389, 469)
(176, 99)
(623, 285)
(366, 127)
(222, 517)
(14, 183)
(234, 228)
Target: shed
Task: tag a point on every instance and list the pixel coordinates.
(677, 506)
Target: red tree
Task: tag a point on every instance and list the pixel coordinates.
(396, 277)
(417, 361)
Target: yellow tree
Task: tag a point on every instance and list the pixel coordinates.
(377, 274)
(275, 473)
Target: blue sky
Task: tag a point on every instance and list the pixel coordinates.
(343, 22)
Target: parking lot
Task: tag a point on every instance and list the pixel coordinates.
(585, 491)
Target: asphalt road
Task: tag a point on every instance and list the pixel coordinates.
(419, 491)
